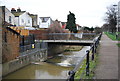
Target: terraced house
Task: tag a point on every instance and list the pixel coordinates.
(45, 22)
(8, 17)
(22, 18)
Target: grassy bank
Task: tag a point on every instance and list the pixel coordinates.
(118, 44)
(81, 73)
(113, 37)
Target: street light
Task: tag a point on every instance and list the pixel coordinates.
(117, 15)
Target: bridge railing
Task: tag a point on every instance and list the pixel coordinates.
(39, 45)
(88, 56)
(66, 36)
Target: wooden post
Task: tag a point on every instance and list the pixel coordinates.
(87, 63)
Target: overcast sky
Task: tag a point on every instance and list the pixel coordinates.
(87, 12)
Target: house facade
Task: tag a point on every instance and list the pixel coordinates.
(8, 17)
(34, 20)
(63, 25)
(45, 22)
(78, 27)
(22, 18)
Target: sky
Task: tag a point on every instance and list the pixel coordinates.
(89, 13)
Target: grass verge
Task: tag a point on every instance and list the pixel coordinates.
(81, 73)
(118, 44)
(112, 36)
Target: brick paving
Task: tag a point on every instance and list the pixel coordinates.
(108, 59)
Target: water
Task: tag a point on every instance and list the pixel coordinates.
(55, 68)
(69, 59)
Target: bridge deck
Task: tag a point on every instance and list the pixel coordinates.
(70, 42)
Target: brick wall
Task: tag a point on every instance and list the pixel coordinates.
(10, 49)
(39, 34)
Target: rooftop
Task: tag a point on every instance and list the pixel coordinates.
(17, 14)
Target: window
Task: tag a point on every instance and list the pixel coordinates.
(22, 20)
(43, 20)
(28, 21)
(10, 20)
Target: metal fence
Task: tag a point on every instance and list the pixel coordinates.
(71, 36)
(27, 40)
(67, 36)
(93, 49)
(40, 45)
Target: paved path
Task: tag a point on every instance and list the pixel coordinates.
(108, 59)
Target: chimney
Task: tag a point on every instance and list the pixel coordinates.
(13, 10)
(18, 10)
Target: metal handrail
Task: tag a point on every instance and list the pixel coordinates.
(93, 48)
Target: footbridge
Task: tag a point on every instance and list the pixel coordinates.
(83, 39)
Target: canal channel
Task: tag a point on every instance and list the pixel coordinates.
(54, 68)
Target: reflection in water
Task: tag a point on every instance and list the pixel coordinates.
(52, 69)
(41, 71)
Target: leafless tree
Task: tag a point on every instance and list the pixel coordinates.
(55, 31)
(111, 18)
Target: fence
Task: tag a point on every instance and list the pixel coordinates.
(27, 40)
(93, 49)
(40, 45)
(71, 36)
(67, 36)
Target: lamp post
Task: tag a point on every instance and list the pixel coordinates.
(117, 15)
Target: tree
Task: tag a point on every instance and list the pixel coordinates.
(111, 18)
(105, 27)
(98, 30)
(55, 31)
(87, 29)
(91, 29)
(55, 28)
(71, 24)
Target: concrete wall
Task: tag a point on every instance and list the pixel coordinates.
(31, 56)
(55, 49)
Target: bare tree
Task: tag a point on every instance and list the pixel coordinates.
(55, 31)
(111, 18)
(105, 27)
